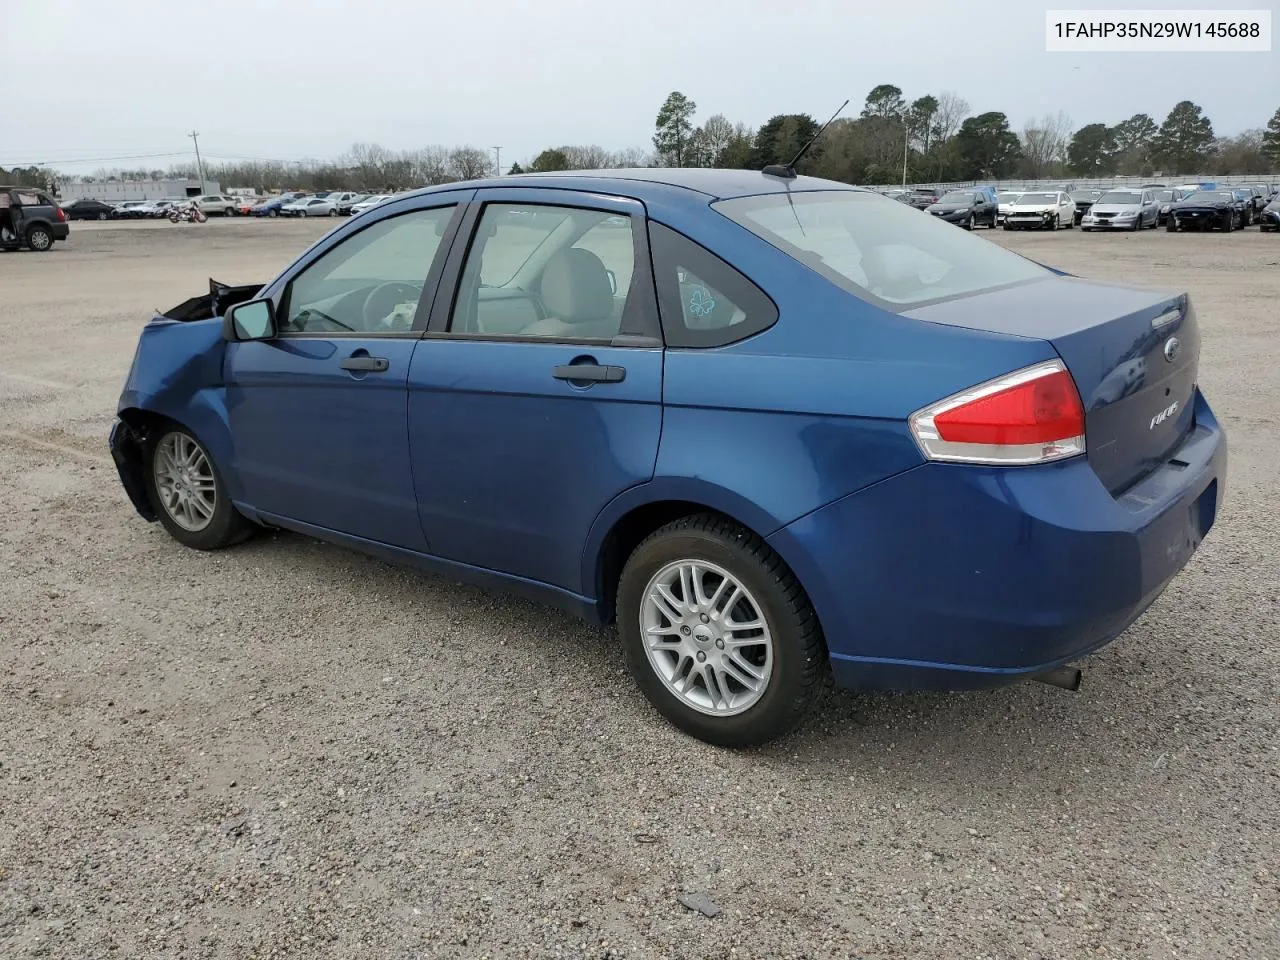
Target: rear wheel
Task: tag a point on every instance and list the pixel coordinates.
(718, 633)
(188, 494)
(333, 211)
(39, 238)
(273, 212)
(102, 216)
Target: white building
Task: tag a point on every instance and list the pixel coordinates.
(117, 190)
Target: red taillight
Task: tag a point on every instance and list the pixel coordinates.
(1031, 416)
(62, 215)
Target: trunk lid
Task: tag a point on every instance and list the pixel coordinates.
(1133, 354)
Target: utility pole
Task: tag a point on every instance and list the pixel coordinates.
(195, 138)
(906, 145)
(497, 161)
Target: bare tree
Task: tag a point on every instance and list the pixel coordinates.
(1044, 144)
(586, 157)
(469, 163)
(632, 157)
(950, 113)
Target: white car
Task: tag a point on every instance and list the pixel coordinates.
(310, 207)
(1042, 210)
(218, 203)
(1005, 199)
(368, 203)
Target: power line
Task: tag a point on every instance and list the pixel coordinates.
(135, 156)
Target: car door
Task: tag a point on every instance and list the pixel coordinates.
(317, 413)
(535, 398)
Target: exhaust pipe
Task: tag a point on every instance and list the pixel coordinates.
(1068, 678)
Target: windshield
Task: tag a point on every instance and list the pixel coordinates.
(1121, 196)
(957, 198)
(867, 244)
(1038, 198)
(1210, 196)
(1164, 194)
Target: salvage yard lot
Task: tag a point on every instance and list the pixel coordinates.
(288, 749)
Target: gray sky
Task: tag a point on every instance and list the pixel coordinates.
(91, 79)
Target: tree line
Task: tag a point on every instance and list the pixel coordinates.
(936, 138)
(928, 139)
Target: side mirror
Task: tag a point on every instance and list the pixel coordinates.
(613, 282)
(253, 320)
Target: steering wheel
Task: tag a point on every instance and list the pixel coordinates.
(385, 306)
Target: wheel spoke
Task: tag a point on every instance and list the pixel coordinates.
(695, 672)
(734, 669)
(727, 609)
(201, 506)
(687, 576)
(720, 688)
(739, 662)
(666, 602)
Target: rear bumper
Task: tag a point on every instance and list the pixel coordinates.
(956, 577)
(61, 230)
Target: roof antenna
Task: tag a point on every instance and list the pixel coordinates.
(788, 171)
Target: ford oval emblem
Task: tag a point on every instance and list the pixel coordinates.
(1172, 347)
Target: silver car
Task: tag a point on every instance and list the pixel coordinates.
(1123, 210)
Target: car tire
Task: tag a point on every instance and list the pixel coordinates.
(333, 211)
(1229, 223)
(782, 658)
(40, 239)
(102, 216)
(273, 213)
(1008, 226)
(1171, 225)
(188, 494)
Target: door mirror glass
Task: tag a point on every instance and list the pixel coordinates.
(252, 320)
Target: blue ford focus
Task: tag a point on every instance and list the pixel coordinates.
(777, 428)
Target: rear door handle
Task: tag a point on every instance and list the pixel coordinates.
(376, 364)
(590, 373)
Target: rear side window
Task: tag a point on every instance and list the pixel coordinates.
(704, 301)
(881, 250)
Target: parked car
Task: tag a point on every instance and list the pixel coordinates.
(342, 200)
(216, 204)
(368, 203)
(270, 207)
(1004, 200)
(130, 210)
(1270, 218)
(1255, 198)
(1041, 211)
(923, 197)
(30, 218)
(245, 205)
(1123, 210)
(87, 209)
(310, 207)
(1085, 199)
(895, 508)
(966, 208)
(1207, 210)
(1166, 198)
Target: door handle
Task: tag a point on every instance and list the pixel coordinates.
(376, 364)
(589, 373)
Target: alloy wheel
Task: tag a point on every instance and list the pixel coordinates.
(706, 637)
(185, 481)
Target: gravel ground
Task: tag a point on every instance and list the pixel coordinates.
(289, 750)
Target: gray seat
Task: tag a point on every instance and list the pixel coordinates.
(577, 296)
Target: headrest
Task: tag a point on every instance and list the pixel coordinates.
(575, 287)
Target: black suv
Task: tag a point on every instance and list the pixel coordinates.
(29, 217)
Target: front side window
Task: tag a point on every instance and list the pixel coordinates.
(371, 282)
(560, 273)
(878, 249)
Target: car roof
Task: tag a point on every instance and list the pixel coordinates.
(639, 182)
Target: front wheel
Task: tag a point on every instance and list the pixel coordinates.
(718, 633)
(333, 211)
(1229, 224)
(188, 495)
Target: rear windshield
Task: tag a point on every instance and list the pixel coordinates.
(870, 245)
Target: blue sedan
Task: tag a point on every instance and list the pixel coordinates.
(776, 428)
